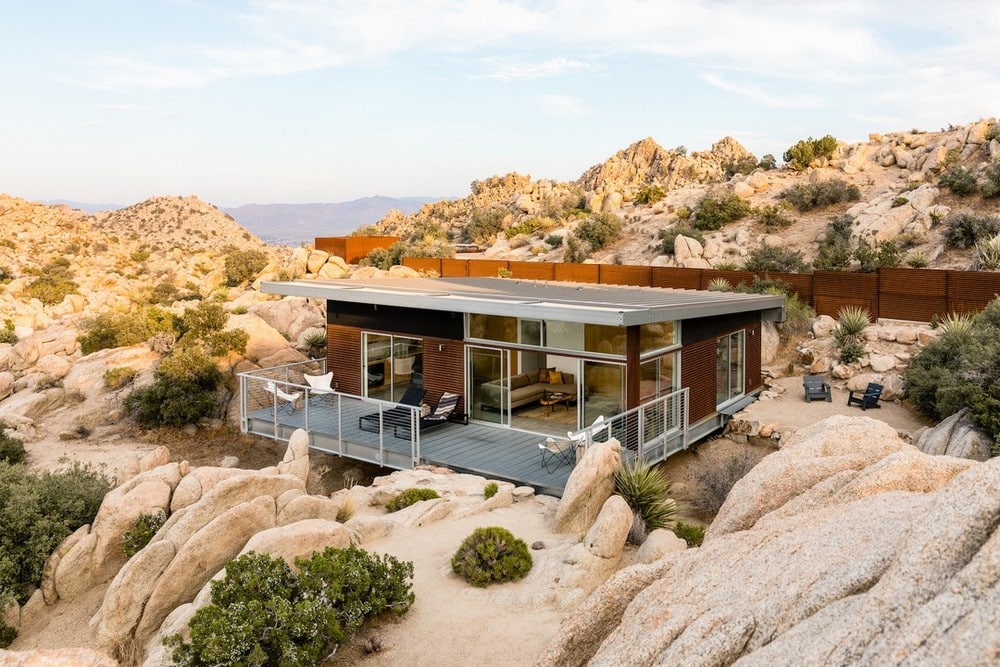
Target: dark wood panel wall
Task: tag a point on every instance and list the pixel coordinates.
(904, 294)
(698, 374)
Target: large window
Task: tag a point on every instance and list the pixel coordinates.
(658, 377)
(555, 334)
(657, 336)
(729, 367)
(392, 364)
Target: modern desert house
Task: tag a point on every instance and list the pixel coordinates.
(657, 368)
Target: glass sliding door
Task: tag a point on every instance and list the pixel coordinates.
(604, 390)
(489, 386)
(730, 368)
(391, 365)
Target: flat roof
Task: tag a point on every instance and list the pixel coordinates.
(589, 303)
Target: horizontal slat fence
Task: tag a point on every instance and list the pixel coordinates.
(898, 294)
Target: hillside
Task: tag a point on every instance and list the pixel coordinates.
(654, 193)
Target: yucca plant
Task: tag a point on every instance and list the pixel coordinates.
(851, 323)
(719, 285)
(987, 256)
(853, 320)
(647, 492)
(956, 323)
(315, 340)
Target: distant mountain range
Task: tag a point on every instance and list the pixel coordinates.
(292, 224)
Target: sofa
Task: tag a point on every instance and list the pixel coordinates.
(526, 388)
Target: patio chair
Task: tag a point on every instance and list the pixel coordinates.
(319, 385)
(816, 389)
(555, 453)
(289, 399)
(442, 414)
(397, 416)
(868, 398)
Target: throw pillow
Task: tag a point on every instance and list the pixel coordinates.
(424, 409)
(555, 377)
(543, 375)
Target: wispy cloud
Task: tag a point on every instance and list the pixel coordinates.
(516, 70)
(563, 106)
(764, 98)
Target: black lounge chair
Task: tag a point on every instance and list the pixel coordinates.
(397, 416)
(816, 389)
(868, 398)
(443, 412)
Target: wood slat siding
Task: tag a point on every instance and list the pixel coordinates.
(343, 353)
(912, 294)
(454, 268)
(752, 379)
(423, 264)
(486, 268)
(353, 248)
(970, 292)
(669, 276)
(698, 374)
(533, 270)
(578, 273)
(444, 370)
(834, 290)
(620, 274)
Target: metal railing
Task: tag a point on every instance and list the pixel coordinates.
(370, 429)
(650, 432)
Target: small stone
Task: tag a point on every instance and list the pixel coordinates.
(538, 545)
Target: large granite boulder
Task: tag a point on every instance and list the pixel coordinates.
(589, 485)
(957, 436)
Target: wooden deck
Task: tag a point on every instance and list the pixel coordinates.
(333, 424)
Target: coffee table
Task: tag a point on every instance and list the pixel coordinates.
(553, 398)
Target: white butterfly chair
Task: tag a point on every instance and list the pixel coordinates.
(289, 399)
(557, 452)
(319, 385)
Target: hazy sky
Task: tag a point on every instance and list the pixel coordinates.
(113, 101)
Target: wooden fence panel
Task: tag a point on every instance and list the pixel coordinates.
(578, 273)
(423, 264)
(485, 268)
(533, 270)
(616, 274)
(675, 277)
(833, 290)
(912, 294)
(970, 291)
(454, 268)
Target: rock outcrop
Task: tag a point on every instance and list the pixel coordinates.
(956, 436)
(848, 546)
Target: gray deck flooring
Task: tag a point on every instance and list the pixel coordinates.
(492, 451)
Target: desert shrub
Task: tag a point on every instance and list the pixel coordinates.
(484, 224)
(37, 512)
(987, 255)
(716, 480)
(7, 334)
(964, 230)
(490, 490)
(770, 258)
(242, 266)
(315, 341)
(109, 330)
(719, 285)
(809, 196)
(53, 283)
(11, 449)
(119, 376)
(849, 333)
(900, 201)
(347, 510)
(693, 534)
(713, 212)
(768, 162)
(799, 315)
(772, 216)
(883, 254)
(141, 532)
(183, 390)
(409, 497)
(264, 613)
(918, 260)
(669, 236)
(647, 492)
(575, 252)
(599, 230)
(164, 294)
(203, 325)
(530, 226)
(385, 258)
(650, 194)
(805, 151)
(491, 555)
(554, 240)
(990, 185)
(745, 165)
(960, 180)
(834, 253)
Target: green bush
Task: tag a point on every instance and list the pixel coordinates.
(719, 285)
(990, 187)
(960, 180)
(713, 212)
(490, 490)
(883, 254)
(647, 492)
(110, 330)
(484, 224)
(491, 555)
(669, 236)
(409, 497)
(575, 253)
(264, 613)
(530, 226)
(799, 315)
(768, 162)
(141, 532)
(694, 535)
(119, 376)
(554, 240)
(809, 196)
(183, 391)
(11, 449)
(834, 252)
(772, 217)
(38, 511)
(53, 283)
(918, 260)
(599, 230)
(385, 258)
(770, 258)
(7, 334)
(164, 294)
(650, 194)
(242, 266)
(745, 165)
(900, 201)
(964, 230)
(805, 151)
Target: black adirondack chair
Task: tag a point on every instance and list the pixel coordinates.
(868, 398)
(816, 389)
